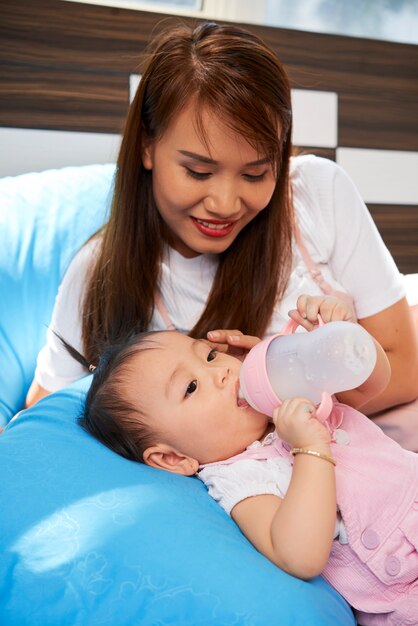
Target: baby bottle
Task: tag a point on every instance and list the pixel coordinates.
(331, 358)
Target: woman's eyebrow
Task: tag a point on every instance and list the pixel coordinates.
(197, 157)
(208, 161)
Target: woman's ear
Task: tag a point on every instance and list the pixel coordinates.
(148, 154)
(165, 457)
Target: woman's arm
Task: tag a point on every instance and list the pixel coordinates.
(56, 368)
(361, 263)
(376, 383)
(35, 393)
(394, 329)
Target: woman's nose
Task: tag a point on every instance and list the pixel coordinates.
(223, 201)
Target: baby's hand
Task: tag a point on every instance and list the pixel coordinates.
(330, 308)
(296, 423)
(232, 341)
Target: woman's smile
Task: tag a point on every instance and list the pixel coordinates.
(213, 228)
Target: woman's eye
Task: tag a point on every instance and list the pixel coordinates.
(212, 355)
(255, 178)
(191, 388)
(197, 175)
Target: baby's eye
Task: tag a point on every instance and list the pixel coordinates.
(212, 355)
(191, 388)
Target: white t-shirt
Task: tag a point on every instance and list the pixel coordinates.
(339, 235)
(231, 483)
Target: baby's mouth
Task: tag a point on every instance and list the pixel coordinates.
(241, 401)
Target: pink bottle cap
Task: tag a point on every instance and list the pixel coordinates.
(254, 380)
(255, 384)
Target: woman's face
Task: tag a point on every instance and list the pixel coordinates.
(189, 395)
(207, 194)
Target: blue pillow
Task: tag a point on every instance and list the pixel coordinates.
(91, 538)
(87, 537)
(44, 218)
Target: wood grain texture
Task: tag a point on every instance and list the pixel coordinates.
(384, 122)
(93, 48)
(66, 66)
(327, 153)
(399, 229)
(50, 98)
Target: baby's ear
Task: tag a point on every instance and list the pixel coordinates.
(167, 458)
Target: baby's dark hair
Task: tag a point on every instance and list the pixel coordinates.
(108, 415)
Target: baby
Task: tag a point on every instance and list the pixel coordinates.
(313, 503)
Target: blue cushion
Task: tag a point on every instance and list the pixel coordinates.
(87, 537)
(44, 218)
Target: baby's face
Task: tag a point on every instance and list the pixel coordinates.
(189, 391)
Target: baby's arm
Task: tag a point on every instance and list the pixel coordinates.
(296, 533)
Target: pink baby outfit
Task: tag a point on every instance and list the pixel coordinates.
(377, 495)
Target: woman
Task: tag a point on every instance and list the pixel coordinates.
(214, 226)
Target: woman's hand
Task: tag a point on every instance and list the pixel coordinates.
(330, 308)
(232, 341)
(296, 423)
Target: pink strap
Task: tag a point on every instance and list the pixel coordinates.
(305, 254)
(310, 264)
(277, 447)
(158, 301)
(257, 453)
(316, 272)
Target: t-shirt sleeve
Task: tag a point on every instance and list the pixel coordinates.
(229, 484)
(55, 368)
(345, 237)
(359, 257)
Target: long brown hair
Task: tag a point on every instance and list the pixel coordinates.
(235, 75)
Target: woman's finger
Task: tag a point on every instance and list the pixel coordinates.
(297, 317)
(233, 341)
(220, 335)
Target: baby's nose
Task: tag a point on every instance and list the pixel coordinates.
(222, 375)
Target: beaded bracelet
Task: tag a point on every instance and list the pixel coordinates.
(319, 455)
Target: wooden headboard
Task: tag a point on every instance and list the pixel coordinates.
(67, 66)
